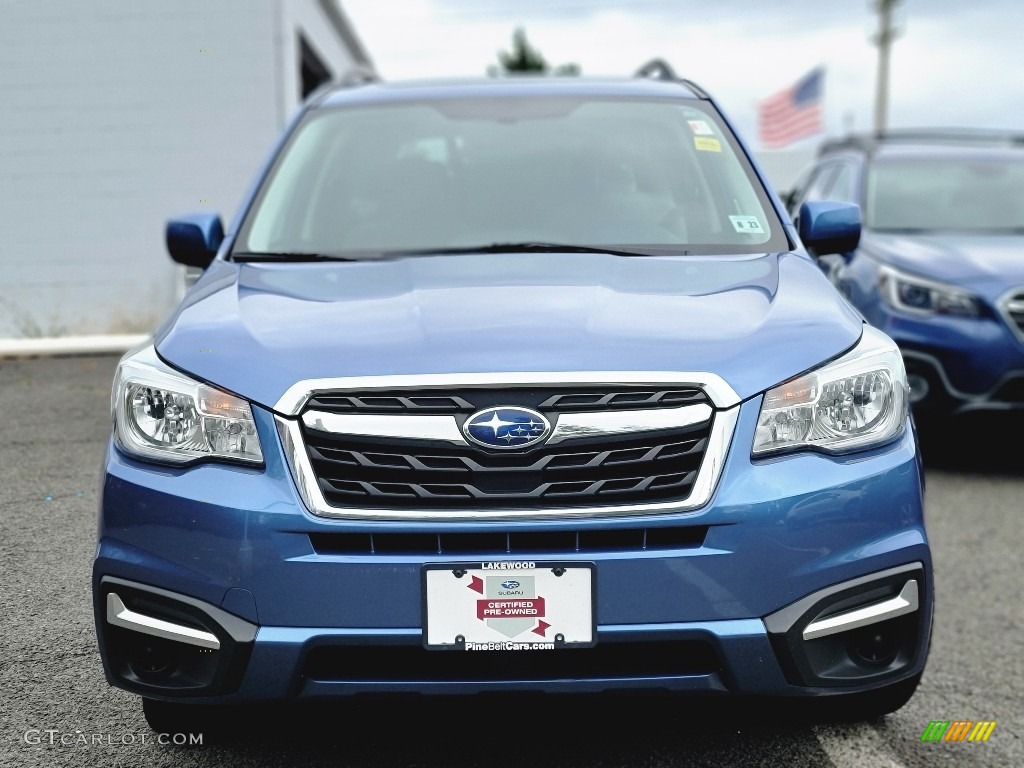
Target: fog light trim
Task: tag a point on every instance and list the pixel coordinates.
(119, 615)
(906, 601)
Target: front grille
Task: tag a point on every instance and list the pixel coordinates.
(605, 661)
(384, 472)
(1013, 308)
(511, 542)
(375, 472)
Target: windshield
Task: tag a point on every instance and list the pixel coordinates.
(962, 194)
(649, 176)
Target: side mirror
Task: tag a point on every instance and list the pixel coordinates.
(827, 227)
(193, 239)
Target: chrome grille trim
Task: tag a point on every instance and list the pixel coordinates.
(573, 425)
(369, 425)
(568, 425)
(719, 439)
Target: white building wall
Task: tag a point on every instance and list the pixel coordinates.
(114, 116)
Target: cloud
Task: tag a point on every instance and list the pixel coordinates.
(952, 60)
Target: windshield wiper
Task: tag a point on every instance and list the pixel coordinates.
(523, 247)
(296, 256)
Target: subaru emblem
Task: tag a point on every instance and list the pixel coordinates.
(506, 426)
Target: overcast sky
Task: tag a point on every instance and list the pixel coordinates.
(955, 62)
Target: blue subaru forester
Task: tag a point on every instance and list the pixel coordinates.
(512, 385)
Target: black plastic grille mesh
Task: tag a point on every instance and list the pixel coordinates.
(545, 399)
(514, 542)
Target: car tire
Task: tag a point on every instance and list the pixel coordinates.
(172, 717)
(871, 705)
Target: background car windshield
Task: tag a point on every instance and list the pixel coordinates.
(946, 194)
(468, 172)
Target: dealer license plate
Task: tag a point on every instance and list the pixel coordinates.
(508, 606)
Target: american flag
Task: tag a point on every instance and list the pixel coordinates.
(793, 113)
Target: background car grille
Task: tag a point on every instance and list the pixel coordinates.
(1014, 308)
(374, 472)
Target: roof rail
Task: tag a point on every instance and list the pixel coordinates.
(358, 75)
(864, 142)
(951, 135)
(976, 136)
(657, 69)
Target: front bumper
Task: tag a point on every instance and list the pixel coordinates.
(933, 389)
(689, 601)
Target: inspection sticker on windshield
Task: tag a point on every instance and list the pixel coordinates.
(746, 224)
(700, 128)
(508, 605)
(707, 144)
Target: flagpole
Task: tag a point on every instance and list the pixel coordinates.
(886, 34)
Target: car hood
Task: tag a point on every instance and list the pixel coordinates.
(258, 329)
(990, 264)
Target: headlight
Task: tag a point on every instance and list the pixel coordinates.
(853, 403)
(924, 297)
(162, 414)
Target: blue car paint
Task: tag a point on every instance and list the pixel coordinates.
(779, 528)
(589, 311)
(977, 353)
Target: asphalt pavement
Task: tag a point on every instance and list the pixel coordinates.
(56, 708)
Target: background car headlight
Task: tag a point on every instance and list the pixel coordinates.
(164, 415)
(914, 294)
(852, 403)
